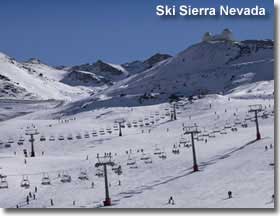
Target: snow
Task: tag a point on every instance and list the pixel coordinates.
(227, 162)
(42, 87)
(82, 121)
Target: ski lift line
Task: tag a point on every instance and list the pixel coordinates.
(41, 173)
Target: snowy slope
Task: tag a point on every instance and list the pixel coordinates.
(221, 67)
(231, 161)
(37, 81)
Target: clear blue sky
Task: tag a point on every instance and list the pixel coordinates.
(69, 32)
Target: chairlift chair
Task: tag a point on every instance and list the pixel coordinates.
(223, 132)
(65, 178)
(60, 138)
(25, 182)
(45, 179)
(70, 137)
(3, 182)
(162, 156)
(42, 138)
(94, 133)
(131, 163)
(7, 145)
(99, 172)
(51, 138)
(148, 161)
(83, 175)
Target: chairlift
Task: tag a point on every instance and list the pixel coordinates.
(42, 138)
(3, 182)
(157, 151)
(70, 137)
(148, 161)
(45, 179)
(60, 138)
(83, 175)
(116, 127)
(175, 150)
(102, 132)
(94, 133)
(99, 172)
(65, 178)
(145, 157)
(7, 145)
(20, 142)
(52, 138)
(86, 135)
(162, 156)
(78, 136)
(118, 171)
(25, 182)
(212, 135)
(223, 132)
(131, 163)
(237, 121)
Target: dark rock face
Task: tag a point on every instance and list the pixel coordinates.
(76, 78)
(99, 68)
(150, 62)
(140, 66)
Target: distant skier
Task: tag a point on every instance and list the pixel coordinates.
(27, 200)
(74, 203)
(92, 184)
(265, 148)
(229, 194)
(119, 183)
(171, 201)
(51, 202)
(34, 196)
(36, 189)
(271, 146)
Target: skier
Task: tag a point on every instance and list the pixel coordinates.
(271, 146)
(34, 197)
(36, 189)
(25, 161)
(92, 184)
(266, 148)
(27, 200)
(30, 194)
(51, 202)
(74, 202)
(171, 200)
(229, 194)
(119, 182)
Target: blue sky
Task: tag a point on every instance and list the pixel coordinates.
(69, 32)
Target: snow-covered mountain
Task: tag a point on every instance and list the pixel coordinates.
(213, 67)
(34, 80)
(154, 158)
(207, 67)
